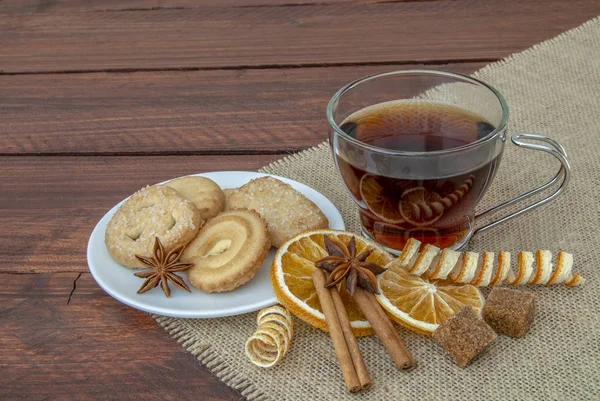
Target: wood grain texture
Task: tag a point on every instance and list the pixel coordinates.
(192, 112)
(62, 344)
(51, 204)
(282, 36)
(61, 6)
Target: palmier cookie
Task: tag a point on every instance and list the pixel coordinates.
(151, 212)
(228, 251)
(204, 193)
(287, 212)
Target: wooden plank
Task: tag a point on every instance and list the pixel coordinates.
(191, 112)
(42, 6)
(51, 204)
(89, 346)
(282, 36)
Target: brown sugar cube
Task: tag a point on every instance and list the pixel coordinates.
(464, 336)
(509, 312)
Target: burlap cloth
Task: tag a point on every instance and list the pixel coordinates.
(552, 88)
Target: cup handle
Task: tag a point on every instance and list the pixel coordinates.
(550, 146)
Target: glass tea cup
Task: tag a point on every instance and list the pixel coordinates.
(417, 150)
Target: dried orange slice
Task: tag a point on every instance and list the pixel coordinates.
(291, 277)
(380, 205)
(421, 305)
(421, 207)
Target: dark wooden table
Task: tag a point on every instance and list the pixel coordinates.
(100, 98)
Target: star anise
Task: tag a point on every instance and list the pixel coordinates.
(343, 262)
(163, 265)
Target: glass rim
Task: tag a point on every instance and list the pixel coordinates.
(336, 97)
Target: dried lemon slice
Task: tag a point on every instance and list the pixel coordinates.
(422, 305)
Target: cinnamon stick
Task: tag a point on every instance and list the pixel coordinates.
(385, 330)
(335, 330)
(359, 364)
(385, 317)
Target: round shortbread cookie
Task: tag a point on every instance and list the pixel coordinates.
(204, 193)
(151, 212)
(228, 251)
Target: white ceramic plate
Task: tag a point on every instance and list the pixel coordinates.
(120, 283)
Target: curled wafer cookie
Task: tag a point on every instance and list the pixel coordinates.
(272, 339)
(228, 251)
(486, 270)
(204, 193)
(151, 212)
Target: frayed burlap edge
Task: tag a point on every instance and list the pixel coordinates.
(210, 359)
(295, 157)
(518, 56)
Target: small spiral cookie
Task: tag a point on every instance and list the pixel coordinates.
(204, 193)
(228, 251)
(151, 212)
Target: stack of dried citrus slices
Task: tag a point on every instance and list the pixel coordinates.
(410, 300)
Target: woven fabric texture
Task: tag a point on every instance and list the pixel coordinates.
(554, 89)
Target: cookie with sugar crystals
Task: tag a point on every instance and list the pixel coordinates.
(287, 212)
(151, 212)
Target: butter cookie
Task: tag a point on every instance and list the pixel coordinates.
(228, 251)
(203, 192)
(151, 212)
